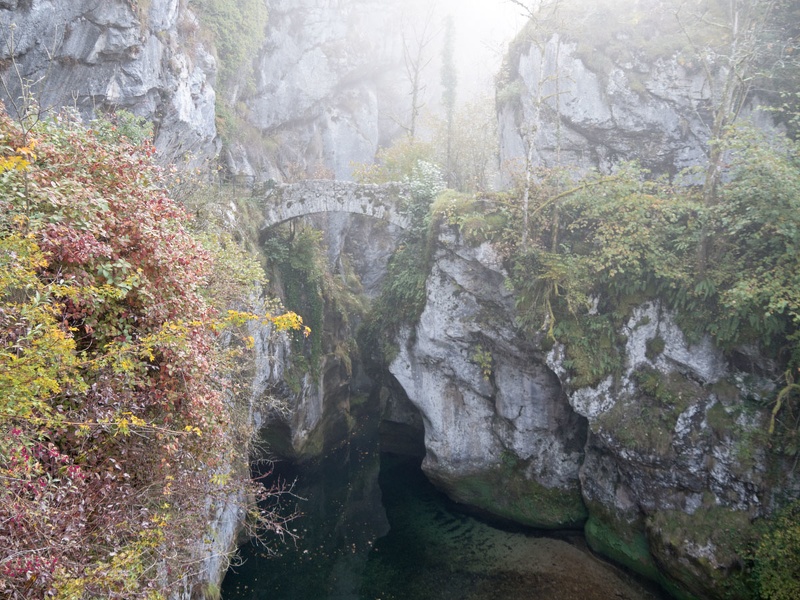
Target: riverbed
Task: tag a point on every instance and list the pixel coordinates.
(373, 528)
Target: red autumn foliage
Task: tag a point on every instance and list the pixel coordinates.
(108, 465)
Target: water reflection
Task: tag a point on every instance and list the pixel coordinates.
(373, 528)
(342, 515)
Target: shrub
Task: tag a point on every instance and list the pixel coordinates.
(114, 431)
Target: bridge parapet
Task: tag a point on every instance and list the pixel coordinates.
(386, 201)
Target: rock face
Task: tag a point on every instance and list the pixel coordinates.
(328, 88)
(358, 250)
(94, 56)
(499, 433)
(677, 466)
(674, 468)
(654, 111)
(576, 117)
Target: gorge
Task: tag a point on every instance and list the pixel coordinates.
(605, 343)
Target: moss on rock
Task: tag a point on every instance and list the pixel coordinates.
(627, 544)
(507, 493)
(704, 550)
(646, 422)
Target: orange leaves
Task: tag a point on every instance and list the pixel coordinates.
(290, 321)
(20, 159)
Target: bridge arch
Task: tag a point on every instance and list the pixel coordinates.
(382, 201)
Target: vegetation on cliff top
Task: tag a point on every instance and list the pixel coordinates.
(115, 420)
(600, 245)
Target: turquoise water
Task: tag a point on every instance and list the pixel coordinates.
(374, 528)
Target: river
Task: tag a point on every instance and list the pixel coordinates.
(373, 528)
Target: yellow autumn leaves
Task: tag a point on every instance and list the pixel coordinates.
(20, 160)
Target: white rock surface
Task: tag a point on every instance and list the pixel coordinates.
(103, 56)
(471, 423)
(586, 120)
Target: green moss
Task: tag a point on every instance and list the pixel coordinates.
(654, 347)
(722, 423)
(646, 422)
(728, 532)
(726, 391)
(627, 544)
(749, 441)
(211, 591)
(507, 493)
(623, 543)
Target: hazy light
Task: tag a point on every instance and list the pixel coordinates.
(483, 29)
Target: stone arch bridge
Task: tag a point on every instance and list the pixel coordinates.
(387, 201)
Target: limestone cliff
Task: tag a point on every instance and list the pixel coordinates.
(677, 463)
(499, 433)
(100, 56)
(587, 87)
(673, 469)
(579, 118)
(328, 89)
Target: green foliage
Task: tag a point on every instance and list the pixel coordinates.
(237, 29)
(601, 245)
(757, 253)
(729, 531)
(124, 125)
(592, 348)
(298, 254)
(396, 162)
(479, 218)
(777, 557)
(622, 239)
(401, 302)
(403, 296)
(483, 358)
(654, 347)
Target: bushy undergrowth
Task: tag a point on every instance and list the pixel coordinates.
(730, 269)
(115, 432)
(599, 245)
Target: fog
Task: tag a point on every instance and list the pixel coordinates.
(483, 29)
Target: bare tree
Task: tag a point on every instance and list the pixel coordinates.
(449, 84)
(540, 12)
(732, 69)
(417, 56)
